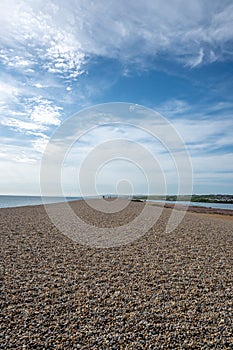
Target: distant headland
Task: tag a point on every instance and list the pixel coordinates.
(207, 198)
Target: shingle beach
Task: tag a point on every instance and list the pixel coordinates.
(162, 291)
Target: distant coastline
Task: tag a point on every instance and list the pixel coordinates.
(207, 198)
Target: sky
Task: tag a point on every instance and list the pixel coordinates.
(60, 57)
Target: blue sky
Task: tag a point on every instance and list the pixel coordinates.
(56, 58)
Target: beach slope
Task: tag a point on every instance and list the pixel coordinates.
(163, 291)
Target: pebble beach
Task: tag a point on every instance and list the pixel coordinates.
(162, 291)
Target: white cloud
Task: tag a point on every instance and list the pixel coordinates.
(40, 143)
(200, 138)
(43, 112)
(60, 36)
(24, 159)
(8, 92)
(196, 61)
(40, 86)
(17, 152)
(200, 132)
(32, 35)
(173, 108)
(62, 59)
(22, 126)
(32, 117)
(14, 61)
(33, 113)
(181, 29)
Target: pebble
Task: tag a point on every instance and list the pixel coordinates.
(160, 292)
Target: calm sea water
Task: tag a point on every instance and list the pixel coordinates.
(19, 201)
(202, 204)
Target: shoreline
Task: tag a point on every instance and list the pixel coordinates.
(191, 208)
(197, 209)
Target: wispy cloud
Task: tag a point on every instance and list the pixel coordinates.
(203, 127)
(33, 39)
(22, 126)
(196, 61)
(37, 111)
(12, 60)
(173, 107)
(48, 49)
(43, 111)
(8, 92)
(60, 37)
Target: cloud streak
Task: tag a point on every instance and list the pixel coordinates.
(60, 37)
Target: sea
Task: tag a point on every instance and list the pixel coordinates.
(201, 204)
(20, 201)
